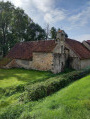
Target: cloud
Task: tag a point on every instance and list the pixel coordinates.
(83, 37)
(80, 19)
(40, 10)
(54, 16)
(74, 22)
(43, 5)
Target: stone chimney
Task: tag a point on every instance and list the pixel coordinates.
(60, 36)
(60, 40)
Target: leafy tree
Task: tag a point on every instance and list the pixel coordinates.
(53, 33)
(16, 26)
(6, 10)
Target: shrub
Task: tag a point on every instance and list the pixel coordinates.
(40, 90)
(12, 113)
(11, 90)
(25, 115)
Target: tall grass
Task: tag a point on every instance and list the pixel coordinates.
(72, 102)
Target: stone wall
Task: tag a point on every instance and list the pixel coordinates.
(12, 64)
(75, 63)
(41, 61)
(24, 64)
(58, 63)
(71, 53)
(58, 49)
(72, 58)
(85, 63)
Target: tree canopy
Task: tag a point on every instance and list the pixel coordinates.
(16, 26)
(53, 32)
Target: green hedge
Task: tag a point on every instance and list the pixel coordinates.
(40, 90)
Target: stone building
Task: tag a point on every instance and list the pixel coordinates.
(50, 55)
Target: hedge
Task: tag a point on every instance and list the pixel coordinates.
(40, 90)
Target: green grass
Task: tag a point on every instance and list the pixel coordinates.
(12, 82)
(71, 102)
(10, 79)
(14, 77)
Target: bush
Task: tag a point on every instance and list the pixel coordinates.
(11, 90)
(12, 113)
(25, 115)
(40, 90)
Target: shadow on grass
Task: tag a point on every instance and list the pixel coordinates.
(28, 75)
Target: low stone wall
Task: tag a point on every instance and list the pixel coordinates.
(75, 63)
(85, 63)
(12, 64)
(41, 61)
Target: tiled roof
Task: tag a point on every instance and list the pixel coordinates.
(25, 50)
(81, 51)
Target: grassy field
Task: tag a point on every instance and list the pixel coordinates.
(72, 102)
(11, 79)
(14, 77)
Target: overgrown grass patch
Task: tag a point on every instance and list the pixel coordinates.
(14, 77)
(71, 102)
(48, 87)
(13, 81)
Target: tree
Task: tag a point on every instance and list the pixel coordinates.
(53, 33)
(16, 26)
(6, 10)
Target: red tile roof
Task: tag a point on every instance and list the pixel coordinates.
(25, 50)
(81, 51)
(60, 31)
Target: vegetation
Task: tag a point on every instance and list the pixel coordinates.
(71, 102)
(53, 33)
(14, 77)
(45, 88)
(4, 61)
(16, 26)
